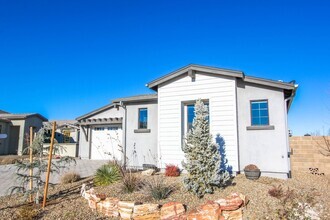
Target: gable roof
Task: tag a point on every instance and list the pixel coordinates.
(190, 69)
(193, 67)
(10, 116)
(106, 107)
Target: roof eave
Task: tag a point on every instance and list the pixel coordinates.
(204, 69)
(143, 98)
(95, 112)
(270, 83)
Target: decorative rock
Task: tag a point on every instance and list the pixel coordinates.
(92, 203)
(172, 211)
(145, 209)
(148, 172)
(88, 193)
(151, 216)
(208, 211)
(231, 203)
(125, 209)
(233, 215)
(244, 199)
(109, 207)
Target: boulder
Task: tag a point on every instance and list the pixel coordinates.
(148, 172)
(230, 203)
(233, 215)
(145, 209)
(151, 216)
(208, 211)
(172, 211)
(125, 209)
(92, 203)
(109, 207)
(87, 194)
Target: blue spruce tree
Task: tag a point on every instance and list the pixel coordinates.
(202, 156)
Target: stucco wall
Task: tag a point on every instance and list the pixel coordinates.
(141, 147)
(220, 91)
(307, 153)
(20, 123)
(265, 148)
(33, 121)
(4, 142)
(66, 149)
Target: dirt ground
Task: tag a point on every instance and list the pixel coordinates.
(65, 201)
(10, 159)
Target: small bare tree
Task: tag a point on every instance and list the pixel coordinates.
(324, 146)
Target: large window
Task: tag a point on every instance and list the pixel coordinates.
(259, 113)
(143, 118)
(190, 115)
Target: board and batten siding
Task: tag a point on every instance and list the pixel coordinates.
(220, 91)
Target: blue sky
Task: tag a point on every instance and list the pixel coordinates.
(66, 58)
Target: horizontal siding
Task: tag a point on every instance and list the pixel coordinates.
(220, 91)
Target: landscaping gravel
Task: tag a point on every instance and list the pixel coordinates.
(66, 202)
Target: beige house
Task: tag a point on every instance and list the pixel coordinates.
(17, 126)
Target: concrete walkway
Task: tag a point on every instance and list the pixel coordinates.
(84, 167)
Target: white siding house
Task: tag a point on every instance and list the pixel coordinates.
(247, 116)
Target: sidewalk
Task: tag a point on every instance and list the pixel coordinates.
(84, 167)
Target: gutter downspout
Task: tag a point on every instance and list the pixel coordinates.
(286, 110)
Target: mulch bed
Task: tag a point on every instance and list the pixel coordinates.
(66, 202)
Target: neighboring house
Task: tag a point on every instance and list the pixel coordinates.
(67, 136)
(247, 115)
(17, 126)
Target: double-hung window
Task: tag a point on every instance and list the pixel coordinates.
(143, 118)
(259, 113)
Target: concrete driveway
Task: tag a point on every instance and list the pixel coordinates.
(84, 167)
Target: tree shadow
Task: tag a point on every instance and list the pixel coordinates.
(224, 166)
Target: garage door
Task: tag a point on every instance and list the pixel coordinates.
(106, 143)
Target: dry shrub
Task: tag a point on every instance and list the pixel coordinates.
(130, 183)
(276, 191)
(5, 161)
(70, 177)
(27, 213)
(172, 170)
(157, 188)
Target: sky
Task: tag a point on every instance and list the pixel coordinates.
(64, 59)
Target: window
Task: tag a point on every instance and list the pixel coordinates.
(259, 113)
(99, 128)
(143, 118)
(190, 115)
(112, 128)
(66, 136)
(0, 129)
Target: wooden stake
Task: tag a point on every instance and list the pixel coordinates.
(31, 161)
(49, 164)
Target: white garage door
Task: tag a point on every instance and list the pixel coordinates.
(106, 143)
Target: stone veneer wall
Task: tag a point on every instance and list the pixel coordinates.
(306, 154)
